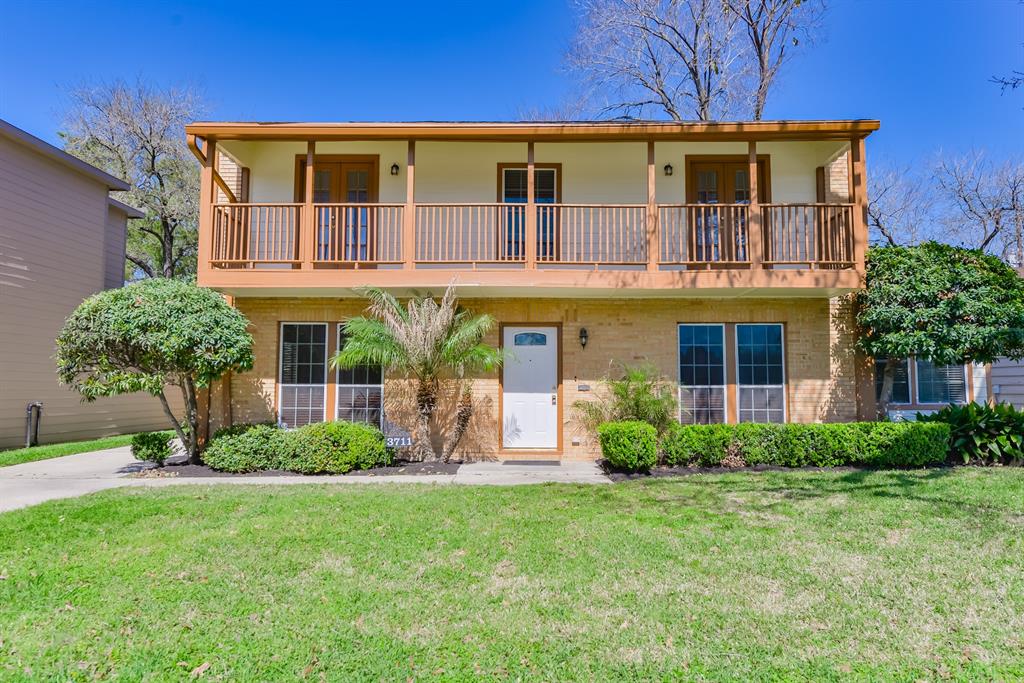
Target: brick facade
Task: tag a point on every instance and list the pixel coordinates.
(821, 366)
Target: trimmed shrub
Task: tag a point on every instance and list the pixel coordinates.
(983, 434)
(630, 445)
(240, 428)
(245, 448)
(333, 448)
(872, 444)
(152, 446)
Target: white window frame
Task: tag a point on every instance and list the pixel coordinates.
(725, 373)
(338, 384)
(785, 371)
(280, 362)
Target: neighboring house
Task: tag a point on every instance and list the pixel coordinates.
(62, 238)
(721, 252)
(920, 386)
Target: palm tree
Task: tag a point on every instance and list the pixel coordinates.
(427, 341)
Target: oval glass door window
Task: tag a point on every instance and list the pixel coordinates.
(531, 339)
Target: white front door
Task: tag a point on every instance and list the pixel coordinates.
(530, 387)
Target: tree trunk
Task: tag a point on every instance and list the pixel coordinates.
(188, 389)
(463, 414)
(174, 421)
(426, 402)
(885, 397)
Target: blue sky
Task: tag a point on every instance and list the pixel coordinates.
(923, 68)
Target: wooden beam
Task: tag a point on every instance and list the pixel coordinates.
(531, 209)
(222, 184)
(653, 246)
(409, 218)
(755, 229)
(307, 235)
(206, 200)
(860, 199)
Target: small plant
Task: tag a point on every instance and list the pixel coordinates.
(152, 446)
(333, 448)
(245, 448)
(982, 434)
(629, 446)
(639, 393)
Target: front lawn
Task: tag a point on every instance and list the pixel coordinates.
(804, 575)
(56, 450)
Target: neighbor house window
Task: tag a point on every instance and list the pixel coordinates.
(940, 384)
(900, 384)
(761, 377)
(701, 374)
(303, 373)
(360, 391)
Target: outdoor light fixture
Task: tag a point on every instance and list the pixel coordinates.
(584, 337)
(668, 169)
(394, 169)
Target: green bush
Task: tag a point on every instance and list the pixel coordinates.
(152, 446)
(240, 428)
(873, 444)
(982, 434)
(333, 448)
(245, 448)
(640, 394)
(630, 445)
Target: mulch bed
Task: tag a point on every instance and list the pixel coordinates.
(681, 471)
(180, 469)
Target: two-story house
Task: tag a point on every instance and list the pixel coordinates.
(721, 252)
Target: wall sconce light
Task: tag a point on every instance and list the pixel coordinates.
(394, 169)
(584, 337)
(668, 169)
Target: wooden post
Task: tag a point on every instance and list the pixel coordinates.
(206, 218)
(307, 232)
(755, 231)
(653, 245)
(531, 210)
(409, 219)
(860, 201)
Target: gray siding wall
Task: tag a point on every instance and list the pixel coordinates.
(55, 250)
(1009, 375)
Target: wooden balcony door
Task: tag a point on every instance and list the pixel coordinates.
(346, 233)
(547, 190)
(721, 235)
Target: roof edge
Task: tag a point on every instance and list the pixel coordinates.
(129, 210)
(60, 156)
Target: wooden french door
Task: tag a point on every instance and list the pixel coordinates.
(721, 233)
(345, 233)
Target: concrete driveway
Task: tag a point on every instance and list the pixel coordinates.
(76, 475)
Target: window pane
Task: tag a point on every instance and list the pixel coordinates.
(762, 381)
(303, 371)
(940, 383)
(515, 185)
(701, 374)
(900, 384)
(360, 391)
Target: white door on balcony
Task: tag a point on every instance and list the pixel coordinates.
(530, 387)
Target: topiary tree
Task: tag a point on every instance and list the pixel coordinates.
(148, 336)
(947, 304)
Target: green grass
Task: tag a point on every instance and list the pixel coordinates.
(56, 450)
(774, 576)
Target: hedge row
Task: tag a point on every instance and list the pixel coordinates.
(867, 444)
(323, 448)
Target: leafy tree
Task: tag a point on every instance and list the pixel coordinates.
(150, 335)
(947, 304)
(426, 340)
(135, 133)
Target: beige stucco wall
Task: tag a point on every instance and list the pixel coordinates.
(610, 172)
(820, 363)
(58, 237)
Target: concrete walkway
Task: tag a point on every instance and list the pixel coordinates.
(76, 475)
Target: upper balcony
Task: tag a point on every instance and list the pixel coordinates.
(765, 208)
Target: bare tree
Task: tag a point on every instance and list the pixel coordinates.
(774, 28)
(899, 205)
(983, 204)
(703, 59)
(678, 58)
(137, 133)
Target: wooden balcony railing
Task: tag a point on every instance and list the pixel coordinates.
(688, 236)
(811, 235)
(358, 234)
(701, 235)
